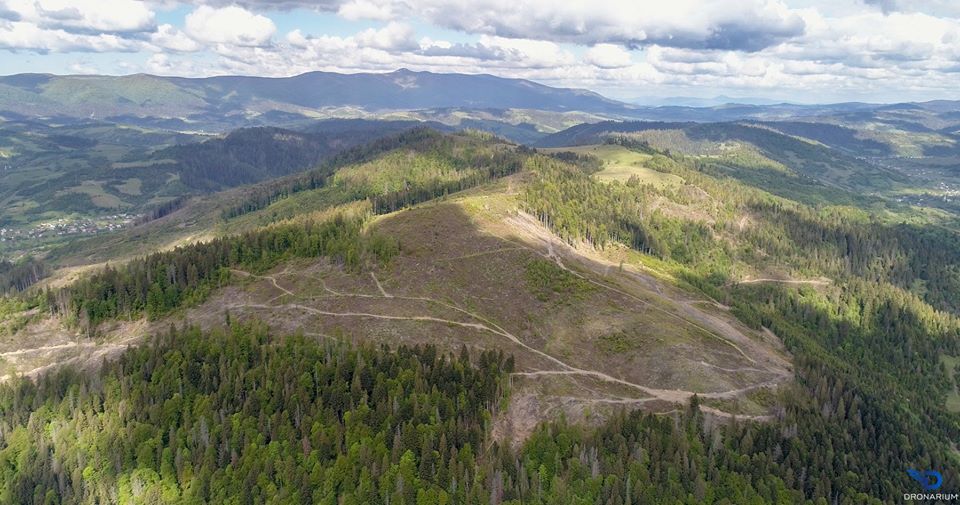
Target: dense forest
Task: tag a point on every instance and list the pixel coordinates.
(249, 155)
(245, 156)
(161, 210)
(241, 416)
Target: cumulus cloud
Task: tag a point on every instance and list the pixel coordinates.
(88, 16)
(169, 37)
(20, 35)
(442, 48)
(781, 46)
(393, 37)
(74, 26)
(231, 25)
(366, 9)
(608, 56)
(949, 8)
(708, 24)
(278, 5)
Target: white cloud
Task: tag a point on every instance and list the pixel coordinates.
(528, 52)
(83, 67)
(229, 25)
(21, 35)
(946, 8)
(607, 56)
(785, 47)
(393, 37)
(747, 25)
(84, 15)
(163, 64)
(168, 37)
(366, 9)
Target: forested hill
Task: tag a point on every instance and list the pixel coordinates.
(850, 140)
(251, 155)
(753, 145)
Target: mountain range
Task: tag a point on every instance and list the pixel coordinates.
(150, 95)
(225, 102)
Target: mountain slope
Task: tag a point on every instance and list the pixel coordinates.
(90, 175)
(430, 289)
(756, 152)
(147, 95)
(696, 297)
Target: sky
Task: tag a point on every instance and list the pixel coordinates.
(805, 51)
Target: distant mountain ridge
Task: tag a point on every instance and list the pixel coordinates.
(159, 96)
(503, 105)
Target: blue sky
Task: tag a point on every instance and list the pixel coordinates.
(795, 50)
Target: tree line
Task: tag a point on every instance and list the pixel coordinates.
(17, 276)
(467, 159)
(239, 416)
(163, 281)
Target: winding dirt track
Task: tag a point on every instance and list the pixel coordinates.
(721, 329)
(524, 223)
(272, 279)
(481, 323)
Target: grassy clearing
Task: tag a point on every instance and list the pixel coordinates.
(620, 164)
(132, 187)
(953, 399)
(141, 164)
(98, 195)
(395, 172)
(617, 342)
(549, 282)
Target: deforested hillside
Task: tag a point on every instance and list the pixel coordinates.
(766, 344)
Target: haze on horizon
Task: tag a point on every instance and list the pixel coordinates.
(805, 51)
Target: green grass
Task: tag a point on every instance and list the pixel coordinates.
(397, 171)
(617, 343)
(141, 164)
(98, 195)
(132, 186)
(953, 398)
(621, 164)
(549, 282)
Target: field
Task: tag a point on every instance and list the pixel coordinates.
(99, 197)
(132, 187)
(141, 164)
(620, 164)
